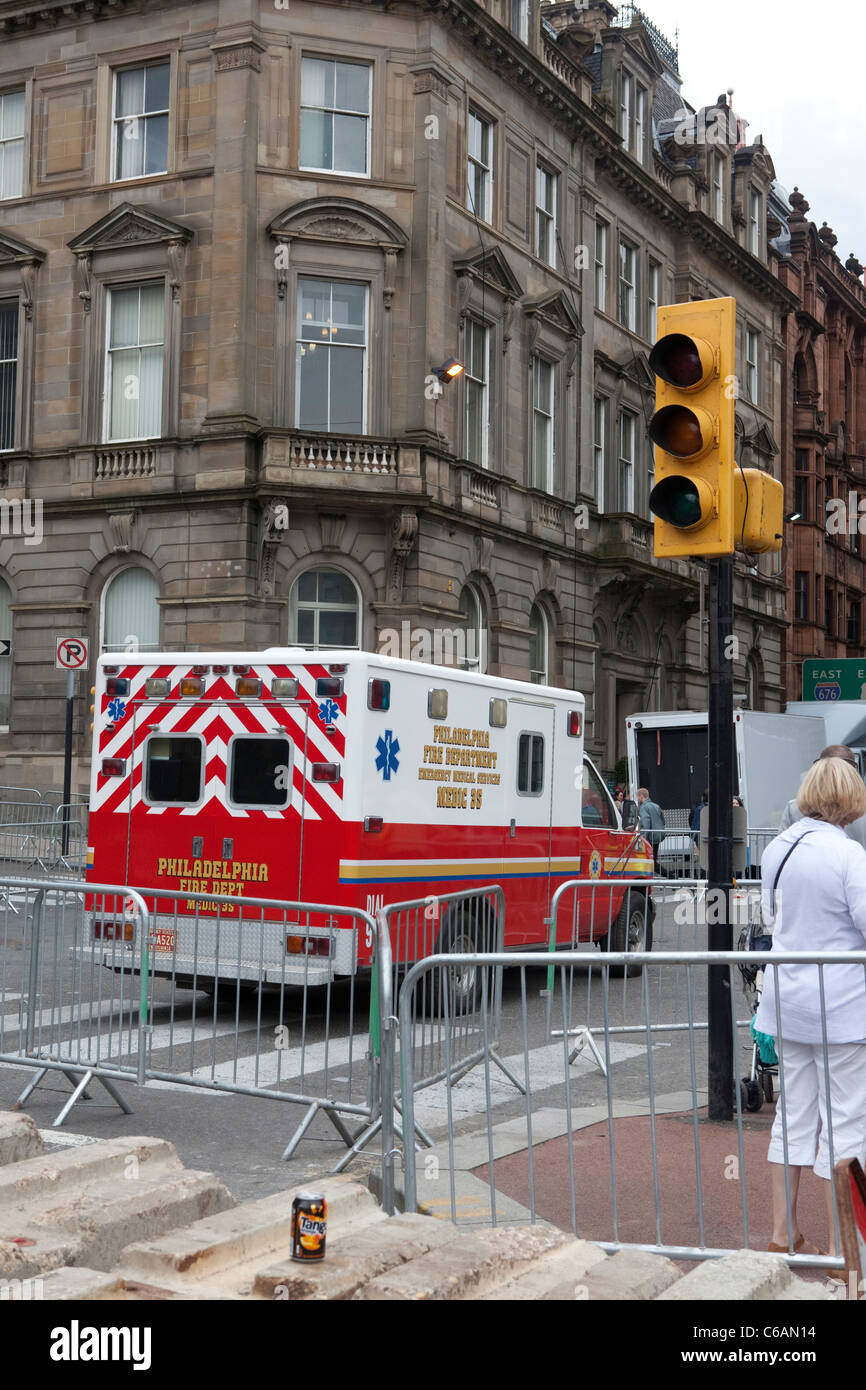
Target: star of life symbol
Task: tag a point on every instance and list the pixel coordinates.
(328, 711)
(116, 710)
(387, 747)
(594, 864)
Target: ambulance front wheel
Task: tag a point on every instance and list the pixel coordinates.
(631, 930)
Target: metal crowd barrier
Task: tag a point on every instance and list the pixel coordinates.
(58, 1011)
(32, 836)
(603, 915)
(112, 988)
(598, 1180)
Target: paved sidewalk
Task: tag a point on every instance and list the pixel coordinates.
(721, 1188)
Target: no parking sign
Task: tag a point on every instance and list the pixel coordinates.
(70, 653)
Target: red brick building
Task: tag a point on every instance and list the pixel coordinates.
(825, 465)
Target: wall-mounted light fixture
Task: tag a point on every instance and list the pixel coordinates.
(450, 369)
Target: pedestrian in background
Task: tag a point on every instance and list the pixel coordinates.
(652, 823)
(857, 829)
(820, 906)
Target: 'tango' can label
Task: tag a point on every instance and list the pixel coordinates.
(309, 1226)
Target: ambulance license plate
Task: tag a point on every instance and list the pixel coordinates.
(164, 939)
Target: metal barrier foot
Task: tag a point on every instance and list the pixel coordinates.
(30, 1088)
(585, 1039)
(494, 1057)
(80, 1093)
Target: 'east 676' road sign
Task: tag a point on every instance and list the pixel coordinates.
(844, 679)
(70, 653)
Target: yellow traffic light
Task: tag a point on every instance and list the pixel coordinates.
(758, 507)
(693, 428)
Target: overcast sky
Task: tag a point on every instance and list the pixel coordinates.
(799, 79)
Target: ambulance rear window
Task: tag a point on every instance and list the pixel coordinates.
(260, 771)
(173, 768)
(530, 764)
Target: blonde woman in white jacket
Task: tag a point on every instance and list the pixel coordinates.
(820, 905)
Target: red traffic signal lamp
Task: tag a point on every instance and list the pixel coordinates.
(693, 428)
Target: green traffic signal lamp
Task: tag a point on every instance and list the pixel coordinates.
(681, 502)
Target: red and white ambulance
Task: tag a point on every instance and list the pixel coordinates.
(351, 779)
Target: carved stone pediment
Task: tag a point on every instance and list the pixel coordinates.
(338, 220)
(763, 442)
(637, 369)
(15, 252)
(492, 267)
(557, 310)
(128, 225)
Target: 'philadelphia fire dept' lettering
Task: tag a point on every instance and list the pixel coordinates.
(227, 870)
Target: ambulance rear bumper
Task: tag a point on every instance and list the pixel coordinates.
(190, 974)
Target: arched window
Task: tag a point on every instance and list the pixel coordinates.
(129, 613)
(472, 608)
(5, 660)
(324, 610)
(539, 647)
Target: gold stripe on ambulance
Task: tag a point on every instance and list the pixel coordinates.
(408, 870)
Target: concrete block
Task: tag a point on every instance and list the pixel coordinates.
(82, 1206)
(561, 1274)
(630, 1275)
(355, 1258)
(466, 1268)
(19, 1138)
(744, 1277)
(231, 1247)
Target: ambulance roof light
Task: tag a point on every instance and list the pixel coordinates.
(378, 693)
(498, 714)
(437, 704)
(285, 688)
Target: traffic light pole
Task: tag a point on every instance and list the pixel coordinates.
(720, 1060)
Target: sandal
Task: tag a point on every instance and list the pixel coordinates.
(801, 1247)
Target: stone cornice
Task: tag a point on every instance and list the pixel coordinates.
(708, 234)
(16, 18)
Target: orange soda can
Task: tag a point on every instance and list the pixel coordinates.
(309, 1226)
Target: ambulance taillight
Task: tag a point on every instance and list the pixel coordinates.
(114, 767)
(326, 772)
(378, 694)
(113, 931)
(308, 945)
(373, 824)
(575, 723)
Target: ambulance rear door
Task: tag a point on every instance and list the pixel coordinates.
(529, 780)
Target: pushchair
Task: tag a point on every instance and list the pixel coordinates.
(757, 1087)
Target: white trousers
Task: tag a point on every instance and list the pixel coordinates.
(805, 1090)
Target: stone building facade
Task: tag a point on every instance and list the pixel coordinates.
(826, 470)
(237, 240)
